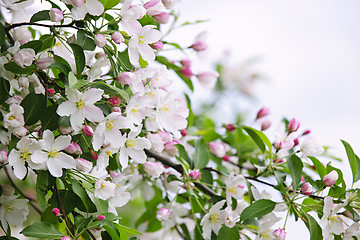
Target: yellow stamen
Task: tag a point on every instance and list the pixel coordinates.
(109, 125)
(25, 154)
(80, 104)
(12, 117)
(141, 39)
(232, 190)
(131, 143)
(214, 218)
(53, 153)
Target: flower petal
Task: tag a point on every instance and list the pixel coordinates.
(93, 113)
(66, 108)
(62, 142)
(94, 7)
(93, 95)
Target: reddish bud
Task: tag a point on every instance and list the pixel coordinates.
(100, 217)
(226, 158)
(184, 132)
(263, 112)
(115, 101)
(229, 127)
(265, 124)
(50, 91)
(158, 45)
(195, 175)
(56, 212)
(186, 72)
(93, 155)
(294, 125)
(306, 132)
(296, 142)
(199, 46)
(88, 131)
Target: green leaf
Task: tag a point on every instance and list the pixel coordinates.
(124, 60)
(48, 41)
(41, 230)
(228, 233)
(79, 58)
(320, 168)
(183, 154)
(35, 45)
(13, 67)
(34, 105)
(187, 81)
(48, 216)
(259, 138)
(111, 232)
(61, 66)
(128, 230)
(108, 4)
(50, 119)
(354, 162)
(72, 80)
(84, 41)
(111, 89)
(81, 192)
(2, 34)
(4, 90)
(40, 16)
(295, 166)
(201, 155)
(257, 209)
(314, 228)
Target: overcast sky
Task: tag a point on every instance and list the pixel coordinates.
(309, 51)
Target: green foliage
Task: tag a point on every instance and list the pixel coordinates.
(257, 209)
(79, 58)
(201, 155)
(353, 160)
(40, 16)
(295, 166)
(228, 233)
(41, 230)
(34, 105)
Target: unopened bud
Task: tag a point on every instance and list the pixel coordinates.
(100, 40)
(186, 72)
(65, 238)
(50, 91)
(263, 112)
(88, 131)
(78, 3)
(56, 15)
(93, 155)
(65, 130)
(279, 160)
(229, 127)
(208, 79)
(266, 124)
(162, 18)
(169, 4)
(115, 101)
(99, 55)
(154, 169)
(199, 46)
(226, 158)
(294, 125)
(186, 62)
(157, 45)
(100, 217)
(126, 77)
(73, 148)
(307, 189)
(56, 212)
(218, 149)
(163, 214)
(331, 178)
(116, 109)
(306, 132)
(44, 62)
(296, 142)
(279, 234)
(117, 37)
(170, 148)
(195, 175)
(184, 132)
(83, 165)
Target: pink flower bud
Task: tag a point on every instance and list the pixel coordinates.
(186, 72)
(44, 62)
(100, 40)
(208, 79)
(263, 112)
(116, 109)
(83, 165)
(73, 148)
(78, 3)
(117, 37)
(126, 77)
(184, 132)
(195, 175)
(199, 46)
(279, 234)
(100, 217)
(65, 130)
(56, 15)
(186, 62)
(151, 4)
(229, 127)
(99, 55)
(56, 212)
(93, 155)
(265, 124)
(65, 238)
(226, 158)
(50, 91)
(157, 45)
(20, 132)
(3, 156)
(88, 131)
(22, 34)
(115, 101)
(163, 214)
(307, 189)
(331, 178)
(306, 132)
(294, 125)
(217, 149)
(296, 142)
(278, 160)
(169, 4)
(170, 148)
(154, 169)
(162, 18)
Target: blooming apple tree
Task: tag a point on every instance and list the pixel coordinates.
(95, 143)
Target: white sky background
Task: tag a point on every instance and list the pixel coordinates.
(310, 53)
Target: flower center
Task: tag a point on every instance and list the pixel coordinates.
(109, 153)
(12, 117)
(25, 154)
(131, 143)
(214, 218)
(265, 235)
(141, 39)
(80, 104)
(109, 125)
(102, 186)
(9, 208)
(165, 109)
(53, 153)
(334, 219)
(232, 190)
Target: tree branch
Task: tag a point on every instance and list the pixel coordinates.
(70, 25)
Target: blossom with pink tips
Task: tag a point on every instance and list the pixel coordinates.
(162, 17)
(56, 15)
(208, 79)
(307, 189)
(263, 112)
(163, 214)
(88, 131)
(117, 37)
(154, 169)
(100, 40)
(195, 175)
(294, 125)
(331, 178)
(279, 234)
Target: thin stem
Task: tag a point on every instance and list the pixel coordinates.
(70, 25)
(62, 209)
(31, 200)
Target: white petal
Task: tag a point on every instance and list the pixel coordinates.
(152, 36)
(48, 138)
(66, 108)
(94, 7)
(78, 13)
(137, 156)
(124, 157)
(77, 119)
(54, 167)
(142, 143)
(93, 95)
(93, 113)
(66, 161)
(114, 137)
(134, 55)
(39, 157)
(62, 142)
(146, 52)
(73, 94)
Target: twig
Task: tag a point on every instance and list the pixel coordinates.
(62, 208)
(31, 200)
(70, 25)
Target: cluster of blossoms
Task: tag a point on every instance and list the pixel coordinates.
(87, 109)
